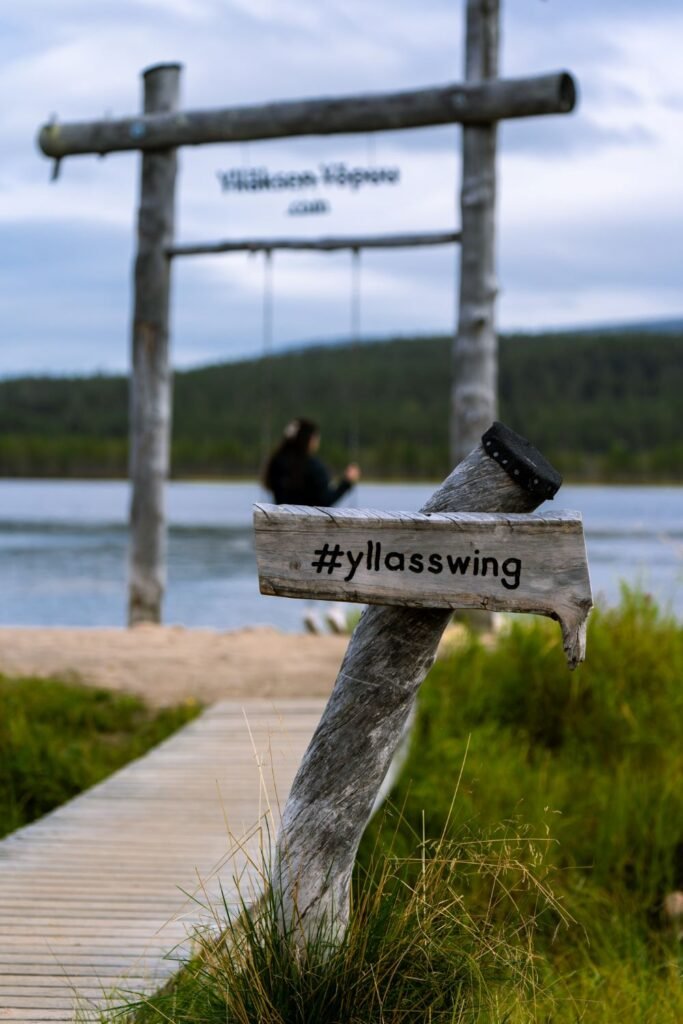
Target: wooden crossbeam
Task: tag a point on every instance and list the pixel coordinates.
(468, 103)
(330, 244)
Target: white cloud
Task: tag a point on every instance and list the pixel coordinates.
(575, 206)
(524, 310)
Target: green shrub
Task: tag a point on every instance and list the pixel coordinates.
(57, 739)
(591, 759)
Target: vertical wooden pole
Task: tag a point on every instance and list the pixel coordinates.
(475, 357)
(150, 386)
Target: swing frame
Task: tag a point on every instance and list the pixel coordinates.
(161, 127)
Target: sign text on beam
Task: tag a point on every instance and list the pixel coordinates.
(520, 563)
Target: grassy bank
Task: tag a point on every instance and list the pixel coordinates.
(520, 872)
(591, 761)
(57, 739)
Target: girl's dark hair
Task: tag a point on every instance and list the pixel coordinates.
(292, 450)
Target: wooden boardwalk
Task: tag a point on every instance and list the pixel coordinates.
(96, 894)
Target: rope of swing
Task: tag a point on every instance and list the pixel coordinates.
(354, 411)
(267, 354)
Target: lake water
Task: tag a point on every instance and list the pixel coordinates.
(63, 549)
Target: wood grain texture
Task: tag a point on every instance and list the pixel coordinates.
(519, 563)
(329, 244)
(474, 390)
(389, 655)
(472, 102)
(150, 382)
(94, 896)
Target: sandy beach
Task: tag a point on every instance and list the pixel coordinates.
(168, 664)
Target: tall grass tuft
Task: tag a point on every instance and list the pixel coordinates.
(413, 950)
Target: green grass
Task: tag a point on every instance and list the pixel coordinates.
(592, 760)
(57, 738)
(555, 805)
(412, 951)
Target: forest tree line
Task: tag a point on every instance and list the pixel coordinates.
(600, 406)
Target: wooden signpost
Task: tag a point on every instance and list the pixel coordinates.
(513, 562)
(474, 544)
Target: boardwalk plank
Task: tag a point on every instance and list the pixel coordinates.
(105, 892)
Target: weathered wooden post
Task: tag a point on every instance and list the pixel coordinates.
(150, 383)
(475, 359)
(430, 563)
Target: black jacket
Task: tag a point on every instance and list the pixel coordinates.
(307, 482)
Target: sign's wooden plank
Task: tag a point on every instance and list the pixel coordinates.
(520, 563)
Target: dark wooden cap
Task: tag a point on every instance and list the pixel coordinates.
(521, 461)
(166, 66)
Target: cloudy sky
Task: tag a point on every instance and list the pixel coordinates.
(590, 205)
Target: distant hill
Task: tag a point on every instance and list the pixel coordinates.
(601, 405)
(670, 325)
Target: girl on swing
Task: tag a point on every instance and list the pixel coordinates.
(296, 476)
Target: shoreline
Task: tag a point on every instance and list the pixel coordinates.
(370, 481)
(169, 664)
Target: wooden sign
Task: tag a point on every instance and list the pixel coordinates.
(520, 563)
